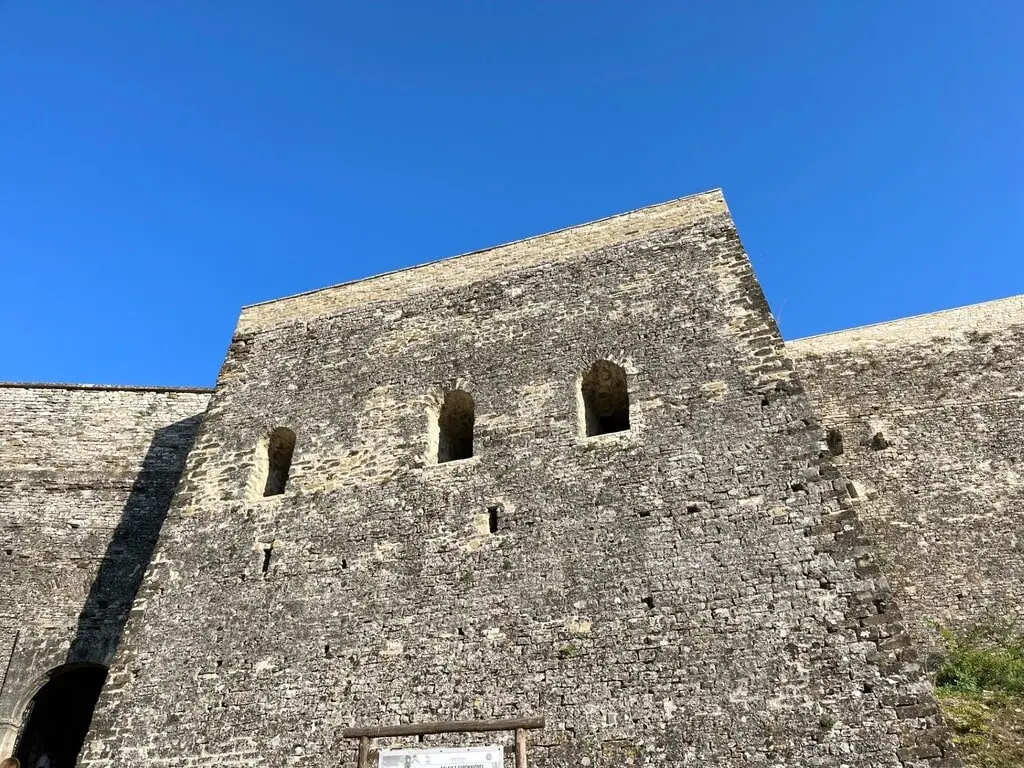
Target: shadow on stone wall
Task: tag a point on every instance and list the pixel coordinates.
(128, 553)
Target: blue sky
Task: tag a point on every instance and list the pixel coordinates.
(164, 164)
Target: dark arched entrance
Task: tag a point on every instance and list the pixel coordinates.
(58, 718)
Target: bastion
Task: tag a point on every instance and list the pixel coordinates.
(577, 480)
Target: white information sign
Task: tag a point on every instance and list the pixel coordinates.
(454, 757)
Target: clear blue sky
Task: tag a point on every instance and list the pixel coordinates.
(165, 163)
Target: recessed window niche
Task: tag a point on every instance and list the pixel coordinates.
(455, 427)
(605, 399)
(273, 463)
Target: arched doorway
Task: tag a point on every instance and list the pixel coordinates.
(58, 718)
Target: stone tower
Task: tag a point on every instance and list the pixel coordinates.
(573, 476)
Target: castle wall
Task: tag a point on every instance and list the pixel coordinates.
(86, 476)
(693, 591)
(931, 414)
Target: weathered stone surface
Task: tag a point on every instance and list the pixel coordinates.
(86, 477)
(695, 591)
(931, 414)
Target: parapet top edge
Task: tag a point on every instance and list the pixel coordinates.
(103, 387)
(902, 322)
(433, 262)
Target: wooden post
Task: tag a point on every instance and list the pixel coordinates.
(364, 751)
(520, 748)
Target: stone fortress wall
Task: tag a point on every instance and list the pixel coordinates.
(696, 589)
(86, 477)
(692, 590)
(929, 412)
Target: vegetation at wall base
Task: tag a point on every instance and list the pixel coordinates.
(980, 686)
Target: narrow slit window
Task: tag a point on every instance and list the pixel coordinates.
(280, 447)
(605, 399)
(455, 427)
(834, 440)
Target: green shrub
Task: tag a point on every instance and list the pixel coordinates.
(567, 651)
(988, 658)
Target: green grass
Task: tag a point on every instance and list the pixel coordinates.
(980, 686)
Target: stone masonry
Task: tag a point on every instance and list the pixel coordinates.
(86, 477)
(703, 587)
(694, 590)
(930, 413)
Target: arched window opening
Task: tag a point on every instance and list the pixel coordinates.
(280, 447)
(58, 718)
(605, 399)
(455, 427)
